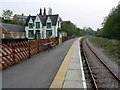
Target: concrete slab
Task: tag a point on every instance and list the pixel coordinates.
(73, 84)
(75, 52)
(74, 66)
(73, 57)
(73, 75)
(74, 60)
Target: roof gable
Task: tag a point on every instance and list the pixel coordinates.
(54, 19)
(37, 19)
(28, 18)
(43, 19)
(48, 19)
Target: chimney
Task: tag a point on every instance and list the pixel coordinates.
(40, 11)
(22, 14)
(44, 13)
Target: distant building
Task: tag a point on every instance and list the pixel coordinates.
(42, 26)
(8, 31)
(20, 17)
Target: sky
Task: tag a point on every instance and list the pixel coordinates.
(83, 13)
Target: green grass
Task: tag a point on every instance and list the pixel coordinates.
(110, 47)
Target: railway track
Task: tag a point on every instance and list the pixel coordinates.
(92, 74)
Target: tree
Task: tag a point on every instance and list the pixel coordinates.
(111, 26)
(15, 21)
(71, 29)
(7, 14)
(50, 11)
(21, 22)
(18, 22)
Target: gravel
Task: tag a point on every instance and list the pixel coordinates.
(103, 77)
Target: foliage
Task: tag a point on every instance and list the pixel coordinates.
(98, 32)
(70, 28)
(110, 47)
(7, 18)
(81, 32)
(111, 25)
(21, 22)
(18, 22)
(7, 14)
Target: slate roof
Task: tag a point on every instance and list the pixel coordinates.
(43, 19)
(28, 18)
(53, 19)
(12, 28)
(20, 16)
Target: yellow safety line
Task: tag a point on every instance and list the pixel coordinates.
(60, 76)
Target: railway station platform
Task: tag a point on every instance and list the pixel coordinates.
(60, 67)
(70, 73)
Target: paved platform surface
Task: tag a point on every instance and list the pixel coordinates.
(71, 74)
(38, 71)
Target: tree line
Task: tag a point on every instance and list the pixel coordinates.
(73, 30)
(111, 25)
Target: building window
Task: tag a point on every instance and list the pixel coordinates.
(31, 33)
(30, 25)
(37, 24)
(48, 33)
(48, 25)
(37, 34)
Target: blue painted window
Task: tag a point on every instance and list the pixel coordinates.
(30, 25)
(37, 24)
(31, 33)
(48, 25)
(48, 33)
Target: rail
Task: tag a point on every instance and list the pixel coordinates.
(102, 62)
(88, 66)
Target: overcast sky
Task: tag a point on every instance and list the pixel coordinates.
(83, 13)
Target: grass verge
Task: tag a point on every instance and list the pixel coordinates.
(110, 47)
